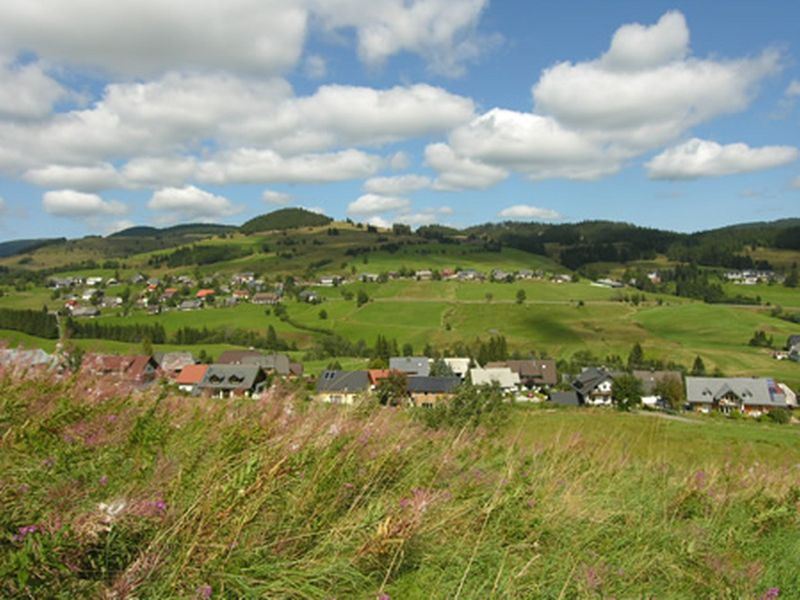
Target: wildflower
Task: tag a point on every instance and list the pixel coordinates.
(24, 532)
(771, 594)
(160, 505)
(384, 596)
(204, 591)
(104, 480)
(700, 479)
(48, 462)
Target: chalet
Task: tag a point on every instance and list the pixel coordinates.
(191, 377)
(138, 370)
(88, 294)
(411, 365)
(168, 293)
(61, 283)
(500, 275)
(793, 348)
(111, 302)
(270, 363)
(594, 386)
(342, 387)
(85, 311)
(296, 369)
(243, 278)
(532, 373)
(424, 275)
(561, 278)
(227, 381)
(651, 379)
(236, 357)
(429, 391)
(608, 283)
(459, 366)
(469, 275)
(265, 298)
(190, 305)
(503, 377)
(753, 396)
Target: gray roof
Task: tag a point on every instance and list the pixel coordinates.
(589, 379)
(26, 358)
(413, 365)
(174, 361)
(751, 391)
(504, 377)
(343, 381)
(650, 379)
(231, 377)
(565, 398)
(432, 385)
(269, 362)
(794, 340)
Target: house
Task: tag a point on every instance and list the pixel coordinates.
(430, 391)
(236, 357)
(342, 387)
(791, 397)
(594, 386)
(94, 281)
(649, 381)
(190, 305)
(241, 295)
(137, 370)
(85, 311)
(190, 377)
(206, 294)
(793, 347)
(173, 363)
(424, 275)
(378, 375)
(330, 280)
(265, 298)
(308, 296)
(269, 363)
(503, 376)
(459, 366)
(11, 358)
(296, 369)
(411, 365)
(368, 277)
(532, 373)
(169, 293)
(565, 398)
(111, 302)
(753, 396)
(228, 381)
(88, 294)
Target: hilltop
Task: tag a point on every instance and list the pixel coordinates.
(285, 218)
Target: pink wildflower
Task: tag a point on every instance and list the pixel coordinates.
(771, 594)
(24, 532)
(104, 480)
(204, 591)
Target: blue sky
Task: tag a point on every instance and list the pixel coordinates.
(675, 115)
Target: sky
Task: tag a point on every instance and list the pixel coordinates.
(679, 115)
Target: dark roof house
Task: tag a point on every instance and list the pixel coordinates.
(411, 365)
(232, 380)
(531, 372)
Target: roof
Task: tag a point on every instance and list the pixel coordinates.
(649, 379)
(504, 376)
(375, 375)
(432, 385)
(794, 340)
(543, 370)
(234, 357)
(204, 293)
(296, 369)
(231, 377)
(590, 378)
(269, 362)
(191, 375)
(459, 366)
(413, 365)
(28, 358)
(343, 381)
(751, 391)
(131, 366)
(565, 398)
(174, 361)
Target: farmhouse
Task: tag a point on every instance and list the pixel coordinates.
(138, 370)
(269, 363)
(752, 396)
(650, 379)
(172, 363)
(205, 294)
(502, 376)
(190, 377)
(411, 365)
(429, 391)
(594, 386)
(532, 373)
(342, 387)
(226, 381)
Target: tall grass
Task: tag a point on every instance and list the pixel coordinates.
(124, 494)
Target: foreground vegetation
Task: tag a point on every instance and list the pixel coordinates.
(154, 495)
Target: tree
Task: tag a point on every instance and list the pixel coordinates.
(147, 346)
(626, 391)
(636, 356)
(272, 337)
(489, 296)
(521, 296)
(439, 368)
(670, 390)
(793, 278)
(408, 349)
(323, 314)
(699, 367)
(362, 298)
(391, 390)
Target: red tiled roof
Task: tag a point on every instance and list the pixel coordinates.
(192, 375)
(204, 293)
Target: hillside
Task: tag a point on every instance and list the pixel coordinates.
(153, 497)
(15, 247)
(285, 218)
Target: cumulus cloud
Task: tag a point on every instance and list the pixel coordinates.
(315, 67)
(371, 204)
(398, 185)
(70, 203)
(458, 173)
(248, 165)
(426, 216)
(444, 32)
(526, 211)
(190, 203)
(26, 91)
(706, 158)
(793, 89)
(273, 197)
(158, 171)
(89, 178)
(253, 36)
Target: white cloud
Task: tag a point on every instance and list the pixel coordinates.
(444, 32)
(315, 67)
(526, 211)
(370, 204)
(426, 216)
(146, 37)
(793, 90)
(635, 46)
(26, 91)
(158, 171)
(379, 222)
(70, 203)
(119, 225)
(458, 173)
(190, 203)
(273, 197)
(248, 165)
(398, 185)
(705, 158)
(399, 160)
(89, 178)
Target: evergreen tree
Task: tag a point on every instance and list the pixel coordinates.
(521, 296)
(699, 367)
(636, 356)
(792, 279)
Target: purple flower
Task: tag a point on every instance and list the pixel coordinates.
(160, 505)
(204, 591)
(104, 480)
(700, 479)
(383, 596)
(48, 462)
(771, 594)
(24, 532)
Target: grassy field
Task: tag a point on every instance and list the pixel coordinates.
(136, 496)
